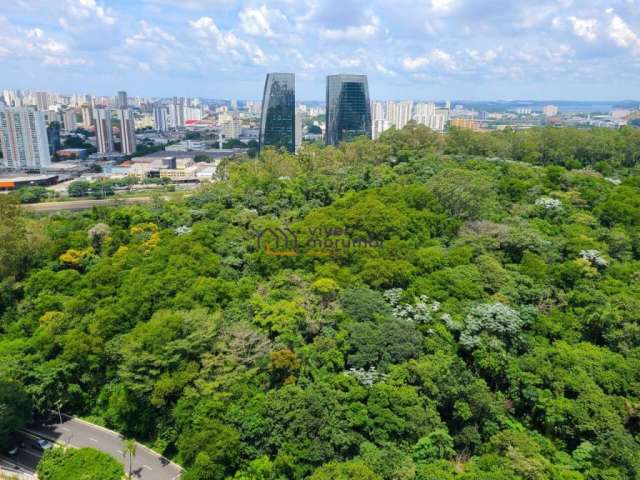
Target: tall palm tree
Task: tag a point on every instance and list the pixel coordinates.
(130, 450)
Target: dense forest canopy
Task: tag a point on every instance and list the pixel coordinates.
(494, 334)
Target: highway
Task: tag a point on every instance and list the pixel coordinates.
(146, 465)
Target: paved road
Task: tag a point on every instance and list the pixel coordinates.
(27, 458)
(147, 465)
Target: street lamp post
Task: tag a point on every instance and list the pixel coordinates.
(58, 404)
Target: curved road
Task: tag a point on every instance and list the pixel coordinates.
(147, 464)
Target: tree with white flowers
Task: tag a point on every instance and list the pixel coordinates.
(493, 324)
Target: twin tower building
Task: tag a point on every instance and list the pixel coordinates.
(348, 110)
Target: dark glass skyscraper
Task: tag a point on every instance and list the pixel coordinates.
(348, 108)
(277, 125)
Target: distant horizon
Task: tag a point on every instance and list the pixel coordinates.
(316, 100)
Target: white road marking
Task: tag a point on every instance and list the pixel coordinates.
(147, 467)
(66, 429)
(93, 439)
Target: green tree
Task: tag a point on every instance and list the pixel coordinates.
(353, 470)
(129, 450)
(81, 464)
(15, 410)
(434, 446)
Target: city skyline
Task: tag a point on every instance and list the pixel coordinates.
(442, 49)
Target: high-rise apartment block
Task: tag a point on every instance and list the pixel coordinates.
(104, 133)
(429, 115)
(69, 120)
(160, 119)
(176, 115)
(122, 101)
(192, 114)
(127, 131)
(87, 116)
(42, 100)
(399, 113)
(23, 136)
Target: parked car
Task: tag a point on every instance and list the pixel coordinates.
(42, 445)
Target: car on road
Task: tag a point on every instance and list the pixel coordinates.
(42, 445)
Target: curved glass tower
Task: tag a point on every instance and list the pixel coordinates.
(277, 124)
(348, 108)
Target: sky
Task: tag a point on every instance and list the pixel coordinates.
(410, 49)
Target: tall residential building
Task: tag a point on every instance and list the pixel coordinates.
(176, 115)
(399, 113)
(377, 111)
(127, 131)
(53, 137)
(87, 116)
(435, 118)
(348, 108)
(192, 113)
(379, 127)
(122, 101)
(298, 130)
(23, 136)
(69, 120)
(379, 123)
(104, 133)
(278, 118)
(9, 97)
(232, 128)
(425, 109)
(160, 122)
(42, 100)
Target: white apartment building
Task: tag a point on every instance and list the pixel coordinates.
(23, 136)
(127, 131)
(104, 134)
(161, 119)
(399, 113)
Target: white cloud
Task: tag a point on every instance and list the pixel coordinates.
(262, 21)
(151, 35)
(442, 6)
(436, 58)
(622, 34)
(63, 61)
(586, 28)
(190, 4)
(34, 43)
(483, 57)
(156, 46)
(384, 70)
(222, 44)
(354, 33)
(79, 11)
